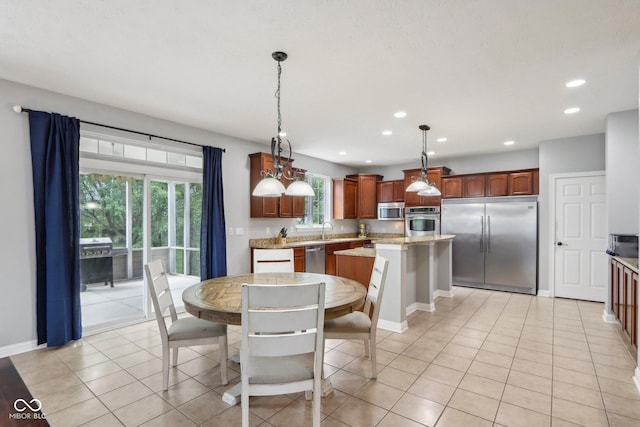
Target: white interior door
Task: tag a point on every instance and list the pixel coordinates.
(580, 237)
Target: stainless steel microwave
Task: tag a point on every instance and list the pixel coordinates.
(391, 211)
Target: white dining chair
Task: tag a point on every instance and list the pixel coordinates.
(183, 332)
(282, 343)
(273, 260)
(358, 324)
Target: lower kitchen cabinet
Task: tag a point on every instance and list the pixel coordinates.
(357, 268)
(298, 260)
(624, 298)
(330, 258)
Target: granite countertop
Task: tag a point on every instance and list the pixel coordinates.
(363, 252)
(632, 263)
(293, 242)
(416, 240)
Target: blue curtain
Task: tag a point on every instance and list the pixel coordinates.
(55, 143)
(213, 239)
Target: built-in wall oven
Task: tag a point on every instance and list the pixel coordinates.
(422, 221)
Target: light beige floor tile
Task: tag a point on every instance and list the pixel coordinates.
(337, 358)
(616, 420)
(454, 418)
(267, 406)
(379, 394)
(78, 414)
(333, 401)
(515, 416)
(533, 368)
(503, 339)
(506, 350)
(474, 404)
(483, 386)
(575, 378)
(421, 353)
(396, 378)
(467, 341)
(577, 394)
(494, 359)
(393, 346)
(530, 382)
(113, 342)
(621, 406)
(347, 382)
(607, 350)
(528, 399)
(558, 422)
(534, 345)
(454, 362)
(154, 382)
(486, 370)
(107, 420)
(136, 358)
(574, 365)
(97, 371)
(110, 382)
(169, 419)
(55, 400)
(534, 356)
(356, 413)
(618, 361)
(418, 409)
(83, 361)
(432, 390)
(204, 407)
(409, 364)
(392, 420)
(354, 348)
(460, 350)
(615, 373)
(296, 413)
(617, 388)
(142, 410)
(125, 395)
(472, 333)
(361, 366)
(577, 413)
(443, 374)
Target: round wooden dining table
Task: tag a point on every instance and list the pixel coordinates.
(219, 299)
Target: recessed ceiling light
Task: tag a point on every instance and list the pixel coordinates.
(571, 110)
(368, 161)
(283, 133)
(399, 114)
(387, 132)
(431, 153)
(509, 142)
(442, 139)
(576, 83)
(343, 153)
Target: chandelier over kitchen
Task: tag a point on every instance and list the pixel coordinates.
(421, 184)
(271, 185)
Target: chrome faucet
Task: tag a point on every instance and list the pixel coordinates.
(330, 228)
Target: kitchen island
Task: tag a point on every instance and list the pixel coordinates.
(419, 271)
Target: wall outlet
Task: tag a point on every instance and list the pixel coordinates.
(230, 231)
(239, 231)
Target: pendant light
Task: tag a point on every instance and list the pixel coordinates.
(271, 185)
(421, 184)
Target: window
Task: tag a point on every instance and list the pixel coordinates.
(317, 208)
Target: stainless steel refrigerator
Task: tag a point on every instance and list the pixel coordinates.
(496, 243)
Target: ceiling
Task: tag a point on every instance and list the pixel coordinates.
(478, 72)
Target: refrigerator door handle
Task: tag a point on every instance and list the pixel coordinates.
(482, 234)
(488, 233)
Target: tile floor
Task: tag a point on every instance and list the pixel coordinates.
(482, 358)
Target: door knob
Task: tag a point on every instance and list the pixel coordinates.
(561, 244)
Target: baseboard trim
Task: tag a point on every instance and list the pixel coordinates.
(440, 293)
(21, 347)
(609, 317)
(544, 293)
(636, 378)
(420, 306)
(393, 326)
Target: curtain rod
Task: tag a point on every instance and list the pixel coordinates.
(20, 109)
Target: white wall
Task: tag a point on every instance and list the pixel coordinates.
(565, 155)
(17, 262)
(623, 175)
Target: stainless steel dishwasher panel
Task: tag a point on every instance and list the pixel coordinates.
(314, 259)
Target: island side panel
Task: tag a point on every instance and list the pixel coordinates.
(444, 265)
(393, 308)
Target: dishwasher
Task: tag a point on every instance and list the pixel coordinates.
(314, 259)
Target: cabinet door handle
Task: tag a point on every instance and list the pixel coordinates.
(482, 234)
(489, 234)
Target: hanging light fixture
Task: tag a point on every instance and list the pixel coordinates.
(421, 184)
(270, 185)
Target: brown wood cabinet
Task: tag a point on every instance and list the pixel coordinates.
(521, 183)
(624, 299)
(497, 184)
(434, 175)
(299, 260)
(367, 204)
(451, 187)
(390, 191)
(473, 186)
(330, 257)
(345, 198)
(273, 207)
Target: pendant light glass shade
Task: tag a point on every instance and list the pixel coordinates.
(299, 188)
(417, 185)
(431, 190)
(268, 187)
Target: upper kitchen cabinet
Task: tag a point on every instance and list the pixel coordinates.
(390, 191)
(451, 187)
(273, 207)
(521, 183)
(367, 205)
(434, 175)
(473, 186)
(262, 207)
(345, 198)
(497, 184)
(492, 184)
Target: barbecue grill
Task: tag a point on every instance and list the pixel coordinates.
(96, 261)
